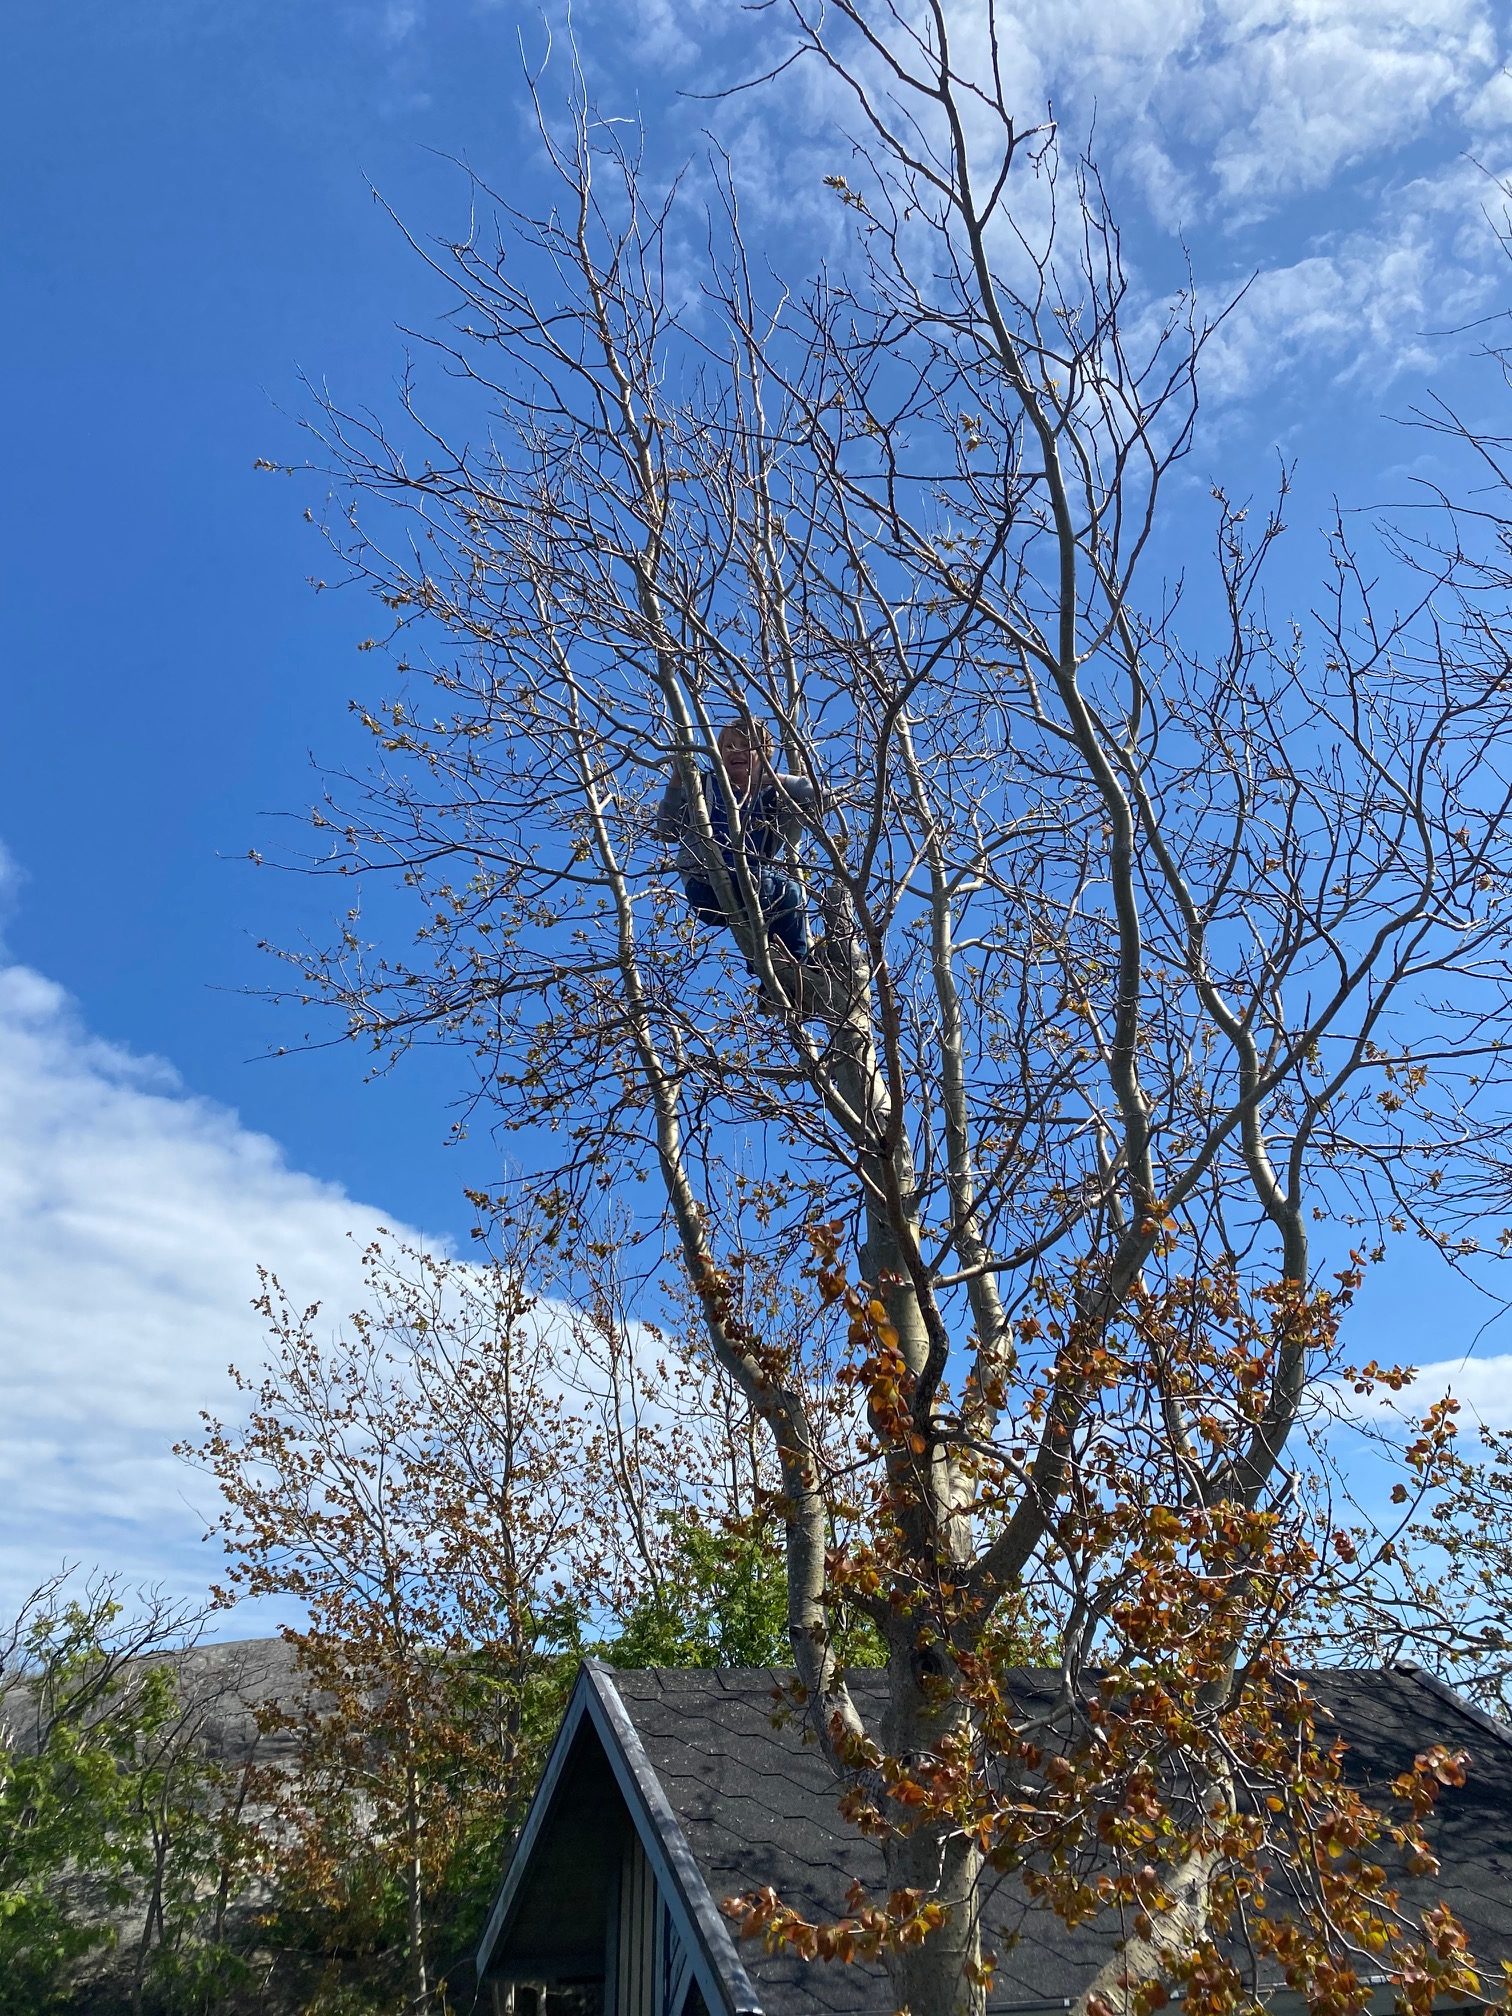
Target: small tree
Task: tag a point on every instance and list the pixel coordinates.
(115, 1823)
(196, 1851)
(409, 1485)
(1023, 1226)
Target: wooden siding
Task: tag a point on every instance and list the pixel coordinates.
(638, 1924)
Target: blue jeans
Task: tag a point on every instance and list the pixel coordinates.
(782, 908)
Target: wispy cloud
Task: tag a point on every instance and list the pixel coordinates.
(1259, 99)
(1337, 153)
(398, 20)
(1298, 92)
(1368, 303)
(385, 24)
(392, 35)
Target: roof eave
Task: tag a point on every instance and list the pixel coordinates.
(704, 1931)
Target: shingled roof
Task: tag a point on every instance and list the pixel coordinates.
(724, 1799)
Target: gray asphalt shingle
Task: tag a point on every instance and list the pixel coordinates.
(757, 1806)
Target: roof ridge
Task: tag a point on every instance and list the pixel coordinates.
(595, 1700)
(1442, 1691)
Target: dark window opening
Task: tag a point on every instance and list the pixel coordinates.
(549, 1998)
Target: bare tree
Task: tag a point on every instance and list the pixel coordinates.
(1156, 932)
(1432, 1589)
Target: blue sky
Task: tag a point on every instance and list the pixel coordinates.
(189, 225)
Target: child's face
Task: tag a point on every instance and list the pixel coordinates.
(742, 763)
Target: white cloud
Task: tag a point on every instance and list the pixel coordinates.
(1481, 1384)
(1301, 90)
(133, 1218)
(661, 29)
(1362, 308)
(1256, 99)
(1490, 111)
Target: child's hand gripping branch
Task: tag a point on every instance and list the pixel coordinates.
(768, 808)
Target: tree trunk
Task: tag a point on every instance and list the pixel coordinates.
(942, 1976)
(1174, 1933)
(152, 1922)
(419, 1985)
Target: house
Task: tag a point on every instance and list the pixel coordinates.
(669, 1791)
